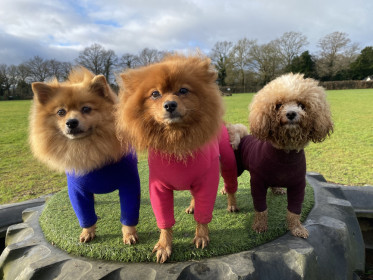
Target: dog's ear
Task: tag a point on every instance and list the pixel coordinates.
(322, 126)
(260, 125)
(42, 92)
(100, 87)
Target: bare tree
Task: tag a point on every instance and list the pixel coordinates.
(290, 45)
(38, 69)
(336, 53)
(128, 60)
(23, 72)
(266, 60)
(148, 56)
(241, 58)
(220, 58)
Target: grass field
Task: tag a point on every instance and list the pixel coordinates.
(229, 232)
(345, 158)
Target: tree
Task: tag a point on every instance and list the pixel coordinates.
(148, 56)
(241, 58)
(336, 54)
(304, 64)
(98, 60)
(362, 67)
(128, 60)
(267, 61)
(220, 58)
(38, 68)
(290, 45)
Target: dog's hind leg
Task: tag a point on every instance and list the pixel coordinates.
(190, 209)
(278, 190)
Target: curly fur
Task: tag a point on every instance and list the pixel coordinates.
(48, 141)
(266, 112)
(142, 117)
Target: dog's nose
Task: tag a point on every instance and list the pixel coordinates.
(291, 115)
(170, 106)
(72, 123)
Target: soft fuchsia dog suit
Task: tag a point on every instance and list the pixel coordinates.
(198, 173)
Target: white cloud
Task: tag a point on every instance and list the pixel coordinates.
(60, 29)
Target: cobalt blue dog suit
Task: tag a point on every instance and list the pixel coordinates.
(122, 175)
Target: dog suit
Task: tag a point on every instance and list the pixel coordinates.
(122, 176)
(198, 173)
(271, 167)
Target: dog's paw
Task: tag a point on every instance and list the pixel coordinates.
(201, 238)
(232, 208)
(278, 191)
(189, 210)
(232, 204)
(260, 223)
(88, 234)
(300, 231)
(163, 252)
(129, 235)
(223, 191)
(201, 241)
(259, 227)
(294, 225)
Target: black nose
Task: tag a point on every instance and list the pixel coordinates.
(170, 106)
(72, 123)
(291, 115)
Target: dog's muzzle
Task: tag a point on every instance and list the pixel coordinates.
(170, 106)
(73, 127)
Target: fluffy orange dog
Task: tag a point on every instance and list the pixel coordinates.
(72, 129)
(174, 109)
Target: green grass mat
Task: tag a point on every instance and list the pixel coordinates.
(229, 232)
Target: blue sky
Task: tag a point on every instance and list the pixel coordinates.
(60, 29)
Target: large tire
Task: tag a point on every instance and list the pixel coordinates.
(334, 250)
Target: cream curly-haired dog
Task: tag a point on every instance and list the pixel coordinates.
(285, 116)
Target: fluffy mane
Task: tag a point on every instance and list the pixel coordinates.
(48, 143)
(316, 124)
(136, 110)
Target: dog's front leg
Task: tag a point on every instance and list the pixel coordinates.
(201, 238)
(260, 223)
(88, 234)
(294, 225)
(129, 235)
(164, 245)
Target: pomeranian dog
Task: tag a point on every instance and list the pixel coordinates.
(174, 110)
(72, 129)
(285, 116)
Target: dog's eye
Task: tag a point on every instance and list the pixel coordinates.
(86, 109)
(183, 91)
(301, 105)
(61, 112)
(278, 106)
(156, 94)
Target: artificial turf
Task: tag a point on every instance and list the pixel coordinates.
(229, 232)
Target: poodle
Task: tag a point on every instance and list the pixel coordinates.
(285, 116)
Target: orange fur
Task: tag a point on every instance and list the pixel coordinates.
(164, 245)
(144, 118)
(266, 121)
(201, 238)
(97, 143)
